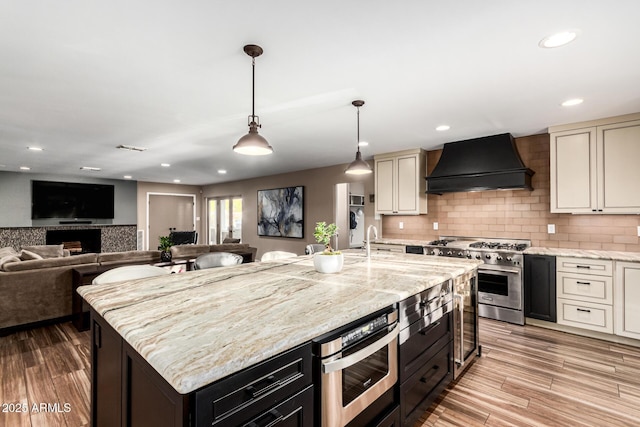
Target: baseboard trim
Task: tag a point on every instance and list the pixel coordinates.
(26, 326)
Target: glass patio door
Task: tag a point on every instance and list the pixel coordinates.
(224, 219)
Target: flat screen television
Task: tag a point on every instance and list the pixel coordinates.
(50, 199)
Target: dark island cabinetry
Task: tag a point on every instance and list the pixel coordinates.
(540, 287)
(127, 391)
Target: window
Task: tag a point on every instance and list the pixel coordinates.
(224, 219)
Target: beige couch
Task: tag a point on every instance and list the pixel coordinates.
(39, 290)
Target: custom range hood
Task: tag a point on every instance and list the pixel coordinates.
(488, 163)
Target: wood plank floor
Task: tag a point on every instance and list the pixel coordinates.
(530, 376)
(527, 376)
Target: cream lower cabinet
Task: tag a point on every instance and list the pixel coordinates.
(400, 183)
(594, 166)
(585, 293)
(627, 301)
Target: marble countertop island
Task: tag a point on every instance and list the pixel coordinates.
(197, 327)
(585, 253)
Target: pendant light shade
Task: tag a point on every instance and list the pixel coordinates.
(358, 166)
(253, 144)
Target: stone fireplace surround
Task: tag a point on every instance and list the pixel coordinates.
(113, 238)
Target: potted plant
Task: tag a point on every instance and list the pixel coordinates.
(165, 248)
(328, 261)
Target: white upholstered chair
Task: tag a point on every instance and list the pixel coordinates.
(216, 259)
(129, 272)
(268, 256)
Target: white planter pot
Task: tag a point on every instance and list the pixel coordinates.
(328, 263)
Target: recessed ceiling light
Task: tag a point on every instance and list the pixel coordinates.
(90, 168)
(442, 128)
(363, 143)
(572, 102)
(35, 148)
(130, 148)
(128, 177)
(177, 181)
(165, 165)
(222, 171)
(25, 168)
(558, 39)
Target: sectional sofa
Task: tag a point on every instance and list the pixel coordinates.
(35, 291)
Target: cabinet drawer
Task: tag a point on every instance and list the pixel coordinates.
(598, 267)
(584, 287)
(421, 346)
(252, 391)
(423, 387)
(597, 317)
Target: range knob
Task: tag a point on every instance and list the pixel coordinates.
(478, 257)
(487, 256)
(449, 253)
(469, 256)
(509, 258)
(434, 252)
(460, 254)
(499, 258)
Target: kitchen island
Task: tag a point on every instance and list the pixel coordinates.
(194, 329)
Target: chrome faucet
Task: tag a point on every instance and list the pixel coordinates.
(368, 241)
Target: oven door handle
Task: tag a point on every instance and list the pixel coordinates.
(486, 269)
(345, 362)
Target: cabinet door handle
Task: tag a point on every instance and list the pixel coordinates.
(433, 326)
(273, 383)
(425, 378)
(583, 283)
(278, 417)
(583, 310)
(583, 266)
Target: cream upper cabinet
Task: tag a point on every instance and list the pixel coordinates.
(594, 166)
(400, 183)
(627, 300)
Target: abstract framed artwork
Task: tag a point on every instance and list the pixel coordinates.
(281, 212)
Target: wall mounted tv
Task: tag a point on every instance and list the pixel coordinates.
(50, 199)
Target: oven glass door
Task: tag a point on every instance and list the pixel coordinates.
(500, 287)
(359, 377)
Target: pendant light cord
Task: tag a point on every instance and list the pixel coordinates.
(358, 116)
(253, 89)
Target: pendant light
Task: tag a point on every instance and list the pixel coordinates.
(253, 144)
(358, 166)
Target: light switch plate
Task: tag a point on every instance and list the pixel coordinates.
(639, 231)
(401, 225)
(435, 226)
(551, 228)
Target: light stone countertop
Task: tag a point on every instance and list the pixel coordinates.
(402, 242)
(197, 327)
(584, 253)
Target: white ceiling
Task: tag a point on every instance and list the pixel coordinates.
(80, 77)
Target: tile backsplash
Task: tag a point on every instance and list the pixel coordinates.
(518, 214)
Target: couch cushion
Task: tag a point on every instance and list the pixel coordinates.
(26, 255)
(50, 262)
(46, 251)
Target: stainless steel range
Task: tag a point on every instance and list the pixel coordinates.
(500, 279)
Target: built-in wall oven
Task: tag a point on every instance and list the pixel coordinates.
(357, 367)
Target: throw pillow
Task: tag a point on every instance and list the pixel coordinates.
(7, 258)
(47, 251)
(26, 255)
(7, 251)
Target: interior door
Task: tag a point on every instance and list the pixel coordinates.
(168, 212)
